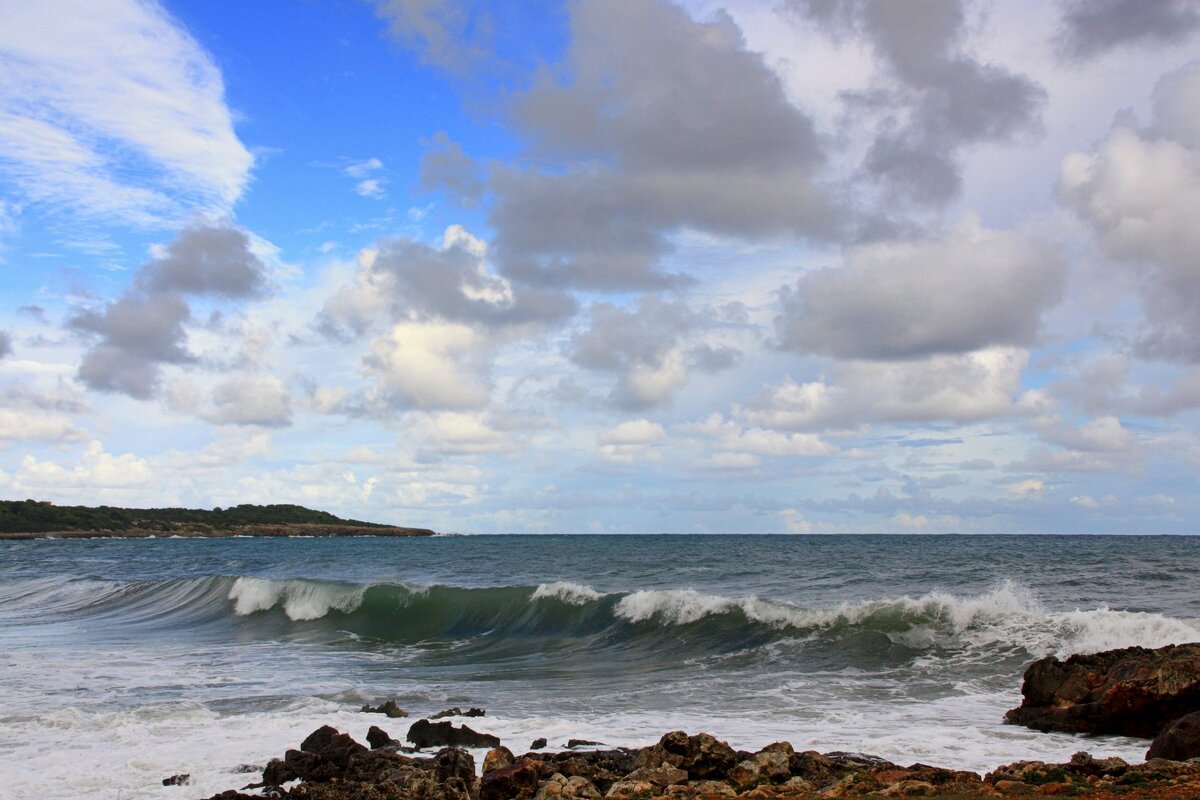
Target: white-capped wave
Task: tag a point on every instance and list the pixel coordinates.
(1009, 614)
(301, 600)
(576, 594)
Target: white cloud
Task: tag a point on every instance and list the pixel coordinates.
(251, 400)
(96, 469)
(371, 187)
(452, 433)
(430, 365)
(110, 109)
(637, 431)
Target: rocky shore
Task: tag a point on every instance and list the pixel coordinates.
(206, 532)
(1134, 691)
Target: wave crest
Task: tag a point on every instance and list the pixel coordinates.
(301, 600)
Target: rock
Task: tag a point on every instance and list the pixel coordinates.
(182, 779)
(629, 788)
(497, 758)
(1133, 691)
(328, 742)
(765, 766)
(1084, 764)
(458, 712)
(538, 743)
(702, 755)
(602, 767)
(573, 743)
(388, 708)
(454, 762)
(516, 782)
(663, 775)
(1178, 741)
(424, 733)
(377, 737)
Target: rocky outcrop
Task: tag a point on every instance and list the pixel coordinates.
(1178, 741)
(458, 712)
(1134, 691)
(424, 733)
(332, 766)
(389, 709)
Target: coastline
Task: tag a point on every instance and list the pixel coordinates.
(187, 532)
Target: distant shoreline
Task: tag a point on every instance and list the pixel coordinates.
(301, 530)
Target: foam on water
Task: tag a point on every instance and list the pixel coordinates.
(301, 600)
(576, 594)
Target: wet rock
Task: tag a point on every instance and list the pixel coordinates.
(1178, 741)
(458, 712)
(538, 743)
(498, 758)
(602, 767)
(766, 766)
(516, 782)
(424, 733)
(702, 756)
(1133, 691)
(388, 708)
(182, 779)
(573, 743)
(377, 737)
(454, 763)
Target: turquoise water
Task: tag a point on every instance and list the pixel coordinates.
(126, 659)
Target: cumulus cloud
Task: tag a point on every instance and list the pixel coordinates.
(96, 469)
(651, 347)
(144, 329)
(652, 123)
(1140, 190)
(972, 289)
(958, 388)
(402, 279)
(251, 400)
(457, 434)
(944, 98)
(429, 365)
(110, 109)
(1092, 28)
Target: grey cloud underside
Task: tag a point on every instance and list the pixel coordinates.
(945, 98)
(654, 337)
(5, 344)
(144, 329)
(414, 280)
(445, 166)
(912, 300)
(653, 123)
(1091, 28)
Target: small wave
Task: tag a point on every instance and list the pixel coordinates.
(575, 594)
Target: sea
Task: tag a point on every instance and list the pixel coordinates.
(124, 662)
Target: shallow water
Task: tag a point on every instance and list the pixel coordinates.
(124, 661)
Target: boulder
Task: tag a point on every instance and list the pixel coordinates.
(498, 758)
(182, 779)
(424, 733)
(516, 782)
(707, 757)
(539, 743)
(663, 775)
(388, 708)
(1179, 740)
(377, 737)
(1133, 691)
(454, 763)
(573, 743)
(458, 712)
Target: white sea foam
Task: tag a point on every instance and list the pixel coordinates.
(577, 594)
(301, 600)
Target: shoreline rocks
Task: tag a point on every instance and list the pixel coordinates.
(330, 765)
(424, 733)
(1133, 691)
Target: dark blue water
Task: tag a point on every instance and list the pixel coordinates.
(911, 647)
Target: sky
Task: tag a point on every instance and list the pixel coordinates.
(607, 266)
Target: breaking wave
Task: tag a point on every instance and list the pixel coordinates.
(1009, 618)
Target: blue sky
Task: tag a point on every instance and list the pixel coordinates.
(607, 266)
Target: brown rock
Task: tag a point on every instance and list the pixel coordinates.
(516, 782)
(389, 709)
(662, 775)
(497, 758)
(424, 733)
(1133, 691)
(1178, 741)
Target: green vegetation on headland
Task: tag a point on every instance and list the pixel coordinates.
(33, 518)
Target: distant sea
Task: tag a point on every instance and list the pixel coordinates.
(124, 662)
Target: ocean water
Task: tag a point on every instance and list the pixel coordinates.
(124, 662)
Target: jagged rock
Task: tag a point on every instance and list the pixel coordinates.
(458, 712)
(1178, 741)
(454, 762)
(498, 758)
(1083, 763)
(182, 779)
(702, 755)
(516, 782)
(631, 788)
(1133, 691)
(388, 708)
(424, 733)
(538, 743)
(602, 767)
